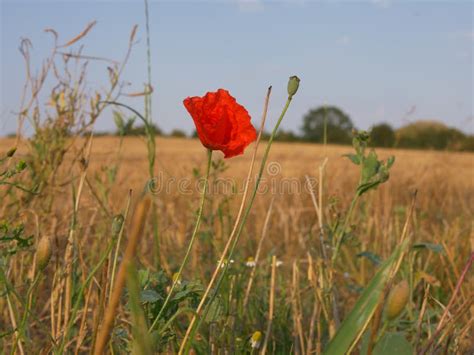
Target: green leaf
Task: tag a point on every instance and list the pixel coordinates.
(393, 344)
(371, 256)
(370, 167)
(358, 319)
(390, 161)
(353, 158)
(437, 248)
(215, 310)
(363, 188)
(149, 296)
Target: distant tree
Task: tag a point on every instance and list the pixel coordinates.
(339, 125)
(467, 144)
(287, 136)
(177, 133)
(141, 130)
(125, 126)
(429, 135)
(382, 135)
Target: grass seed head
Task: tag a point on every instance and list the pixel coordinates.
(43, 252)
(397, 300)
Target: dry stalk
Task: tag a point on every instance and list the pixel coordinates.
(298, 329)
(16, 334)
(257, 254)
(138, 226)
(69, 254)
(421, 315)
(271, 305)
(82, 328)
(442, 321)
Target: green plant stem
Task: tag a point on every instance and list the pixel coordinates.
(29, 296)
(177, 276)
(241, 226)
(340, 234)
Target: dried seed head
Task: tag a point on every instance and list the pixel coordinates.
(11, 152)
(397, 300)
(43, 252)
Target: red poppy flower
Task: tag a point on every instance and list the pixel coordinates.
(221, 123)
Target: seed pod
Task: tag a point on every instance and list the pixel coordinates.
(43, 253)
(397, 300)
(293, 85)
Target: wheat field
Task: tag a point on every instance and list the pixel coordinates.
(282, 226)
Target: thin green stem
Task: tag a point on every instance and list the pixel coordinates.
(29, 297)
(340, 233)
(177, 276)
(241, 226)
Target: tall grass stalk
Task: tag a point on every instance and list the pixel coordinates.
(151, 133)
(138, 226)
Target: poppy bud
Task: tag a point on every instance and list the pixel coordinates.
(11, 152)
(397, 300)
(43, 253)
(293, 85)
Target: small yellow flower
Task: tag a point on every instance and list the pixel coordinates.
(176, 279)
(256, 339)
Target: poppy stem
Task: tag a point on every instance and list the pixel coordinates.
(177, 276)
(193, 327)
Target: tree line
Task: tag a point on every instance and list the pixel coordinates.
(330, 124)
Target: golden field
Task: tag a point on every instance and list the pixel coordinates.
(443, 215)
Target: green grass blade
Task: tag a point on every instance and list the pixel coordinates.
(358, 319)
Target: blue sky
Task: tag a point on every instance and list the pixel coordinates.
(380, 60)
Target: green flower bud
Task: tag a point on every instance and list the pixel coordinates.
(293, 85)
(21, 166)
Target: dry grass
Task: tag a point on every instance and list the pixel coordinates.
(444, 214)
